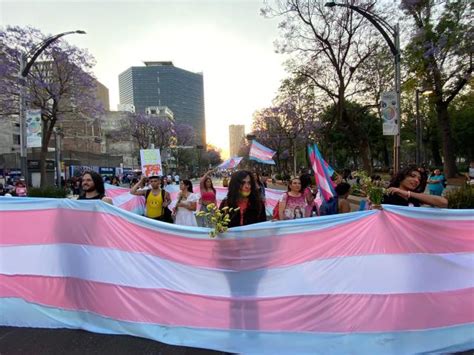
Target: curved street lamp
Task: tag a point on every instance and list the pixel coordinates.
(383, 27)
(25, 66)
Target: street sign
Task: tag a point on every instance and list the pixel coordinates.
(388, 109)
(33, 128)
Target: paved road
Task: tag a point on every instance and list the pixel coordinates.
(31, 341)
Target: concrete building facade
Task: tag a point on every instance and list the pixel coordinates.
(163, 84)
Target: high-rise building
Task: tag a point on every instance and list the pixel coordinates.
(163, 84)
(236, 138)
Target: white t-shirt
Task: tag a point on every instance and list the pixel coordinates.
(176, 178)
(184, 216)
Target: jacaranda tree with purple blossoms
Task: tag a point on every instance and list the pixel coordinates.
(440, 53)
(60, 83)
(291, 121)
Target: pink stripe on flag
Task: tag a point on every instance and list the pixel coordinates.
(362, 237)
(326, 313)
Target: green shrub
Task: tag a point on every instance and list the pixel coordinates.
(356, 190)
(49, 191)
(461, 198)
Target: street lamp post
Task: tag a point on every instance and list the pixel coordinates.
(25, 66)
(382, 26)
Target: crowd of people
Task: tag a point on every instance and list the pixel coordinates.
(247, 194)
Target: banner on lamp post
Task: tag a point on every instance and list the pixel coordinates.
(389, 111)
(33, 128)
(151, 162)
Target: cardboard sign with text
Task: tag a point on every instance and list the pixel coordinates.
(151, 162)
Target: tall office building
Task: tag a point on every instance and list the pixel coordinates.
(236, 138)
(163, 84)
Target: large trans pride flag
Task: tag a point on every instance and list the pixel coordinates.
(397, 281)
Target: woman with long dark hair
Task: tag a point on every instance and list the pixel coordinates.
(402, 190)
(186, 205)
(208, 195)
(243, 194)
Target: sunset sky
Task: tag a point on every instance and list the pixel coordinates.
(229, 41)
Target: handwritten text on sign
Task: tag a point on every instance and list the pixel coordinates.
(151, 162)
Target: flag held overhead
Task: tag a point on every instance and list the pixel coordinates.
(261, 154)
(322, 172)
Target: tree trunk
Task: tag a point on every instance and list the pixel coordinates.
(44, 151)
(386, 159)
(364, 150)
(365, 154)
(447, 141)
(437, 160)
(47, 131)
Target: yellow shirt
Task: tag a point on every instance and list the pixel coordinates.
(154, 205)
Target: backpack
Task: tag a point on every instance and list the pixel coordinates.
(329, 207)
(166, 216)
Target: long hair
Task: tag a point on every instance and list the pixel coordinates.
(402, 174)
(98, 182)
(212, 186)
(233, 195)
(188, 184)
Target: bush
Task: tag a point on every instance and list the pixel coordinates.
(356, 190)
(50, 191)
(461, 198)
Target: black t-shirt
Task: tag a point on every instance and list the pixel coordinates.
(251, 215)
(96, 197)
(400, 201)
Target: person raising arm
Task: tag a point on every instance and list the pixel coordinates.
(401, 191)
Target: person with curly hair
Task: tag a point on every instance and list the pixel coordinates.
(402, 191)
(243, 194)
(93, 187)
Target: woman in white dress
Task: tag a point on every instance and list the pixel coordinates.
(186, 204)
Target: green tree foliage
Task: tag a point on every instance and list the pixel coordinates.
(341, 143)
(440, 53)
(329, 46)
(462, 115)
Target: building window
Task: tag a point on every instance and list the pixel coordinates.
(16, 139)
